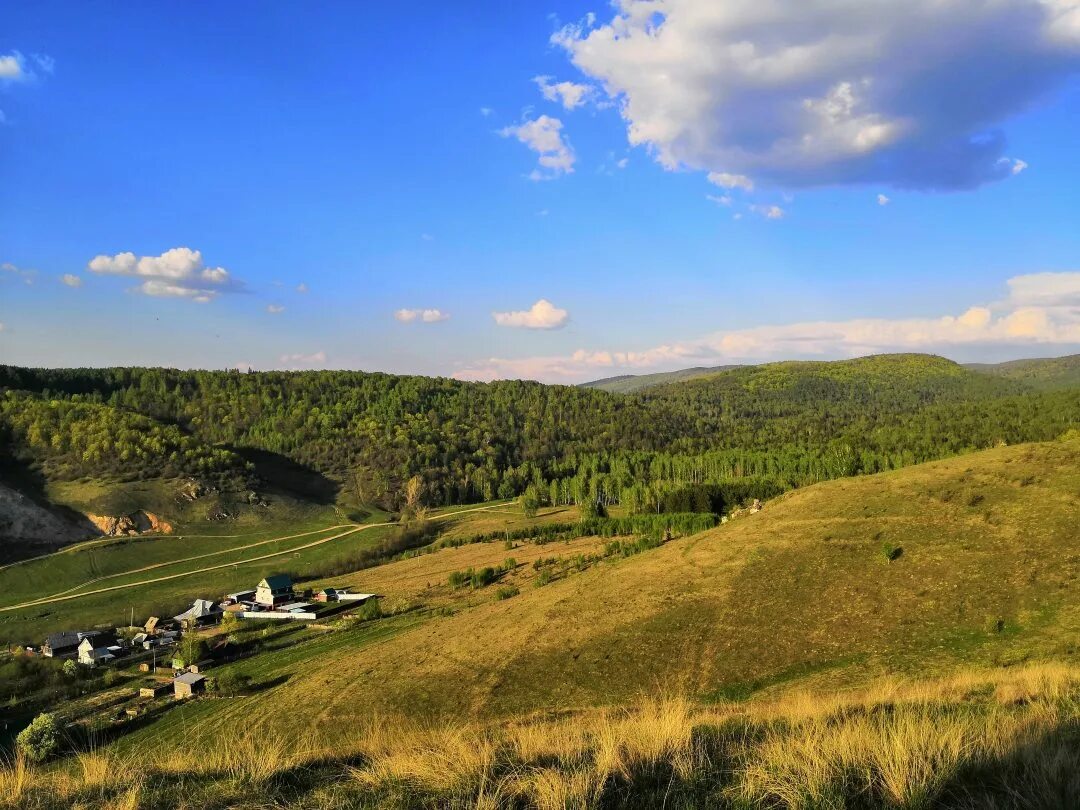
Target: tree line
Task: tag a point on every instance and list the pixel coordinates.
(718, 440)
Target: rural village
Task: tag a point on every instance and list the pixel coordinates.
(174, 653)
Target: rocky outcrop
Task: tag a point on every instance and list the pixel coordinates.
(135, 523)
(191, 490)
(24, 523)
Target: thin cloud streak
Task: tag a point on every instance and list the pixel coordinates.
(1041, 309)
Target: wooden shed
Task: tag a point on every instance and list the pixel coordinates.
(155, 690)
(188, 684)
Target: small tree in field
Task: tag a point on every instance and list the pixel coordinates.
(192, 649)
(230, 623)
(71, 669)
(530, 501)
(41, 739)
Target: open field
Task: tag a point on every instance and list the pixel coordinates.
(102, 582)
(978, 739)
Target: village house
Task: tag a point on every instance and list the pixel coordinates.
(188, 684)
(239, 598)
(62, 645)
(98, 648)
(275, 590)
(65, 644)
(201, 614)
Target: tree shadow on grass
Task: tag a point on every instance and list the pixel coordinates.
(284, 474)
(1043, 773)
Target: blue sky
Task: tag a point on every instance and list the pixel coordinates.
(298, 185)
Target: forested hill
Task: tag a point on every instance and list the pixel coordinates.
(629, 383)
(742, 432)
(1045, 373)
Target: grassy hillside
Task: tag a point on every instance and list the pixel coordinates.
(1004, 740)
(876, 642)
(630, 383)
(1049, 373)
(964, 561)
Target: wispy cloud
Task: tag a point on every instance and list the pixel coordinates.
(769, 211)
(541, 315)
(275, 309)
(543, 135)
(71, 280)
(421, 315)
(1039, 309)
(17, 69)
(883, 200)
(570, 94)
(11, 271)
(299, 359)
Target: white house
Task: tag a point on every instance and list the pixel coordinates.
(97, 650)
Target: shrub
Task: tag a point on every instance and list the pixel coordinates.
(112, 678)
(41, 739)
(371, 610)
(71, 669)
(507, 591)
(230, 682)
(457, 579)
(891, 552)
(544, 578)
(482, 578)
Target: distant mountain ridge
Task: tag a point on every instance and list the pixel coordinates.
(1043, 373)
(629, 383)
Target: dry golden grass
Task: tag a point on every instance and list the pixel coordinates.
(800, 592)
(893, 744)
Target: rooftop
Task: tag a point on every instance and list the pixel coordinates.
(276, 581)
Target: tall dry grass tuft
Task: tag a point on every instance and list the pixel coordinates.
(916, 752)
(16, 778)
(1003, 740)
(577, 788)
(442, 759)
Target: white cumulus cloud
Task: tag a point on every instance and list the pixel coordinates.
(422, 315)
(1041, 309)
(795, 93)
(570, 94)
(544, 136)
(11, 67)
(71, 280)
(176, 273)
(883, 200)
(541, 315)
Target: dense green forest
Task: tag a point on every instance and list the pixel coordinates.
(706, 442)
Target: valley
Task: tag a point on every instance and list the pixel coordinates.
(705, 551)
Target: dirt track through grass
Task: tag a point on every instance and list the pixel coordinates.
(354, 529)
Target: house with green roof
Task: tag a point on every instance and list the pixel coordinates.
(274, 590)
